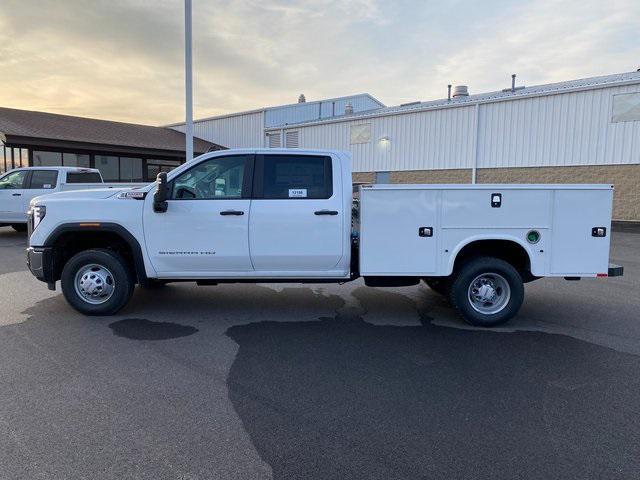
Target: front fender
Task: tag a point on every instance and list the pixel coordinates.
(143, 268)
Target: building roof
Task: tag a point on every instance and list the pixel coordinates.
(22, 125)
(325, 100)
(501, 95)
(286, 106)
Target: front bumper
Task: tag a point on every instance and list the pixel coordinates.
(40, 263)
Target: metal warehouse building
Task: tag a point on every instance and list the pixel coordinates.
(581, 131)
(247, 129)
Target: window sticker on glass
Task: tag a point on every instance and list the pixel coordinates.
(297, 193)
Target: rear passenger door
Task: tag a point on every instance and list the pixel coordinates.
(296, 221)
(40, 182)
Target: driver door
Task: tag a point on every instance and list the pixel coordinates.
(12, 202)
(205, 230)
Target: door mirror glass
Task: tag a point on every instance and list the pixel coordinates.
(184, 193)
(161, 195)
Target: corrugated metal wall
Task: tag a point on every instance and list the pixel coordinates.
(427, 140)
(237, 131)
(557, 130)
(305, 112)
(553, 130)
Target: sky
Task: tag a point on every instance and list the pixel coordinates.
(124, 59)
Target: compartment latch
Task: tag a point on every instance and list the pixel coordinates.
(425, 232)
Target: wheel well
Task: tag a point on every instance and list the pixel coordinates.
(71, 242)
(506, 250)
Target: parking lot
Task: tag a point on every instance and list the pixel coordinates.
(320, 382)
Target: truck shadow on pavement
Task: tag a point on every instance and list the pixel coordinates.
(343, 398)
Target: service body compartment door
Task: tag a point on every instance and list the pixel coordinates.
(297, 215)
(399, 231)
(576, 251)
(475, 207)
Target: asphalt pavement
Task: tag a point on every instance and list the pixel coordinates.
(319, 382)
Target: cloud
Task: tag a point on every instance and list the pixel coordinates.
(123, 59)
(548, 41)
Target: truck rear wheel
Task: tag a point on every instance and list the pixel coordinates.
(97, 282)
(487, 292)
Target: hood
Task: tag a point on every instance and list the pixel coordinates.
(93, 194)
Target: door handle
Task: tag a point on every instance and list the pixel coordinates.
(232, 212)
(16, 194)
(325, 212)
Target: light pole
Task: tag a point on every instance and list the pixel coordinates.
(188, 81)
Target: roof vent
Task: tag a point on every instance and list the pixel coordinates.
(302, 98)
(513, 85)
(348, 109)
(460, 91)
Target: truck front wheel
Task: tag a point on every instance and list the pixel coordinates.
(97, 282)
(487, 291)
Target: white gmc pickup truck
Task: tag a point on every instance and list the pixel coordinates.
(267, 215)
(19, 186)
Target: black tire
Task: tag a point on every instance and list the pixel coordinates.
(19, 227)
(122, 278)
(503, 271)
(440, 285)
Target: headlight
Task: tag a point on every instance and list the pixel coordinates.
(38, 213)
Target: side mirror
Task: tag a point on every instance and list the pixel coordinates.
(161, 195)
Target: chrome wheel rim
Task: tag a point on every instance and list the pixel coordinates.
(94, 284)
(489, 293)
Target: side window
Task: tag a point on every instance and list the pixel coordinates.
(13, 180)
(43, 179)
(296, 176)
(89, 177)
(220, 178)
